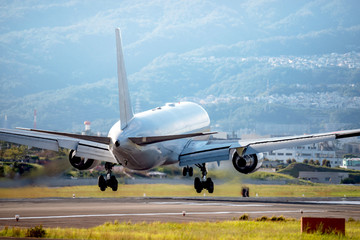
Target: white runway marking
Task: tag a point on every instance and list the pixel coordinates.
(336, 202)
(211, 204)
(161, 214)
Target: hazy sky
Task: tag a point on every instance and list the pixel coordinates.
(56, 50)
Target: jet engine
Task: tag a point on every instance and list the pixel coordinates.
(82, 163)
(247, 163)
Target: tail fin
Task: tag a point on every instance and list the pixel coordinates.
(126, 113)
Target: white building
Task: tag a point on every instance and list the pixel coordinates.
(316, 151)
(351, 163)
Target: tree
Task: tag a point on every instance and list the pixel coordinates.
(2, 153)
(311, 162)
(288, 161)
(317, 163)
(306, 161)
(348, 181)
(328, 164)
(15, 153)
(12, 153)
(325, 163)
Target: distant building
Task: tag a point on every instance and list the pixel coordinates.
(352, 147)
(323, 177)
(351, 163)
(87, 130)
(316, 151)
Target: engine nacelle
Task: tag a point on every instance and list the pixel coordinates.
(247, 163)
(82, 163)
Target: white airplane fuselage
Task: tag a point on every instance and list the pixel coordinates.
(171, 119)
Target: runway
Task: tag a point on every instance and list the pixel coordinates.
(89, 212)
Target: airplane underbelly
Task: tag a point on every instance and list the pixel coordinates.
(151, 156)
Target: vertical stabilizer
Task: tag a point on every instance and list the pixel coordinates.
(126, 113)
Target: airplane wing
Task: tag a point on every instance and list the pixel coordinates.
(219, 150)
(91, 147)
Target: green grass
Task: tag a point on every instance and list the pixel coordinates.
(193, 230)
(269, 176)
(167, 190)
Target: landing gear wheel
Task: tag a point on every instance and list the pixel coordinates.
(185, 171)
(209, 185)
(188, 170)
(113, 183)
(102, 183)
(110, 180)
(191, 171)
(198, 185)
(204, 183)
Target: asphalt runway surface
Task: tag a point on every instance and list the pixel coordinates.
(90, 212)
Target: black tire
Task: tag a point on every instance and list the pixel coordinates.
(102, 183)
(185, 170)
(209, 185)
(113, 183)
(191, 171)
(198, 185)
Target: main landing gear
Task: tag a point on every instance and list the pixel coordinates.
(200, 184)
(188, 170)
(204, 183)
(110, 180)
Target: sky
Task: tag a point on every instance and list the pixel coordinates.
(59, 56)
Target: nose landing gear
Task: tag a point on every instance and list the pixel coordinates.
(203, 183)
(110, 180)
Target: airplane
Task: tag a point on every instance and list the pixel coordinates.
(177, 133)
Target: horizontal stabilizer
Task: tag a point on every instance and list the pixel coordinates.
(103, 140)
(155, 139)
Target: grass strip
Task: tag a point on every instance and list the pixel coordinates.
(165, 190)
(193, 230)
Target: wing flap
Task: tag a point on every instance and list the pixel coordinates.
(103, 140)
(216, 155)
(92, 152)
(204, 151)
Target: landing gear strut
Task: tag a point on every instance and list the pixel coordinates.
(204, 183)
(110, 180)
